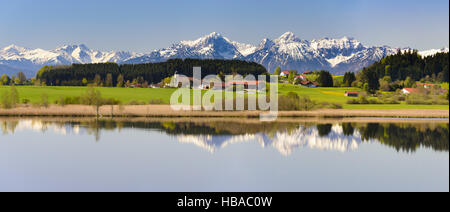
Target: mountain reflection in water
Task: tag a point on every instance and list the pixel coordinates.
(283, 136)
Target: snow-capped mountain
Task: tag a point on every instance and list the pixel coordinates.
(433, 52)
(212, 46)
(288, 51)
(14, 58)
(336, 55)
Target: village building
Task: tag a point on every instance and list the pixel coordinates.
(426, 85)
(408, 91)
(309, 84)
(284, 74)
(351, 93)
(301, 77)
(252, 85)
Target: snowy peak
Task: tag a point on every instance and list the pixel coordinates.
(210, 46)
(83, 54)
(343, 43)
(14, 49)
(14, 58)
(244, 49)
(205, 40)
(432, 52)
(287, 38)
(336, 55)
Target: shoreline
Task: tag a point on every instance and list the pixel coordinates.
(165, 111)
(229, 120)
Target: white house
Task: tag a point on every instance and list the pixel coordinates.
(284, 74)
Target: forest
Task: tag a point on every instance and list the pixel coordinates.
(112, 74)
(411, 64)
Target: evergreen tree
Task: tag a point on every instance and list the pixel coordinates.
(277, 71)
(73, 75)
(291, 76)
(349, 78)
(372, 82)
(411, 64)
(325, 79)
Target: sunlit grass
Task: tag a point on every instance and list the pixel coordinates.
(145, 95)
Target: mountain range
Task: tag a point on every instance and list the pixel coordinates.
(288, 51)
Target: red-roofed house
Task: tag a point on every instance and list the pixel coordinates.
(246, 84)
(301, 76)
(309, 84)
(352, 93)
(425, 85)
(410, 90)
(284, 73)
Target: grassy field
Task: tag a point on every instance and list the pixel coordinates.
(34, 93)
(125, 95)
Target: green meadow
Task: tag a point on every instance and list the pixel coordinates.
(126, 95)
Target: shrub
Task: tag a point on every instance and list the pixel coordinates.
(292, 102)
(6, 100)
(44, 100)
(136, 102)
(14, 96)
(390, 101)
(374, 101)
(25, 101)
(364, 101)
(61, 101)
(10, 98)
(352, 101)
(156, 101)
(111, 101)
(327, 105)
(288, 102)
(68, 101)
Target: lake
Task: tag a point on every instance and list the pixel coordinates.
(145, 154)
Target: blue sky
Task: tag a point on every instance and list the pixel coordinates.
(144, 25)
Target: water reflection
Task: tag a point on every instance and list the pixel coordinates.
(285, 137)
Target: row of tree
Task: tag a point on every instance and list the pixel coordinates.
(112, 74)
(404, 67)
(17, 80)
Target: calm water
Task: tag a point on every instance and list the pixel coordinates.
(223, 155)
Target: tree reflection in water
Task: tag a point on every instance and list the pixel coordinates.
(285, 136)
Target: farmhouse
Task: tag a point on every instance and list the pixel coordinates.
(352, 93)
(425, 85)
(301, 77)
(284, 74)
(309, 84)
(246, 84)
(408, 91)
(212, 85)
